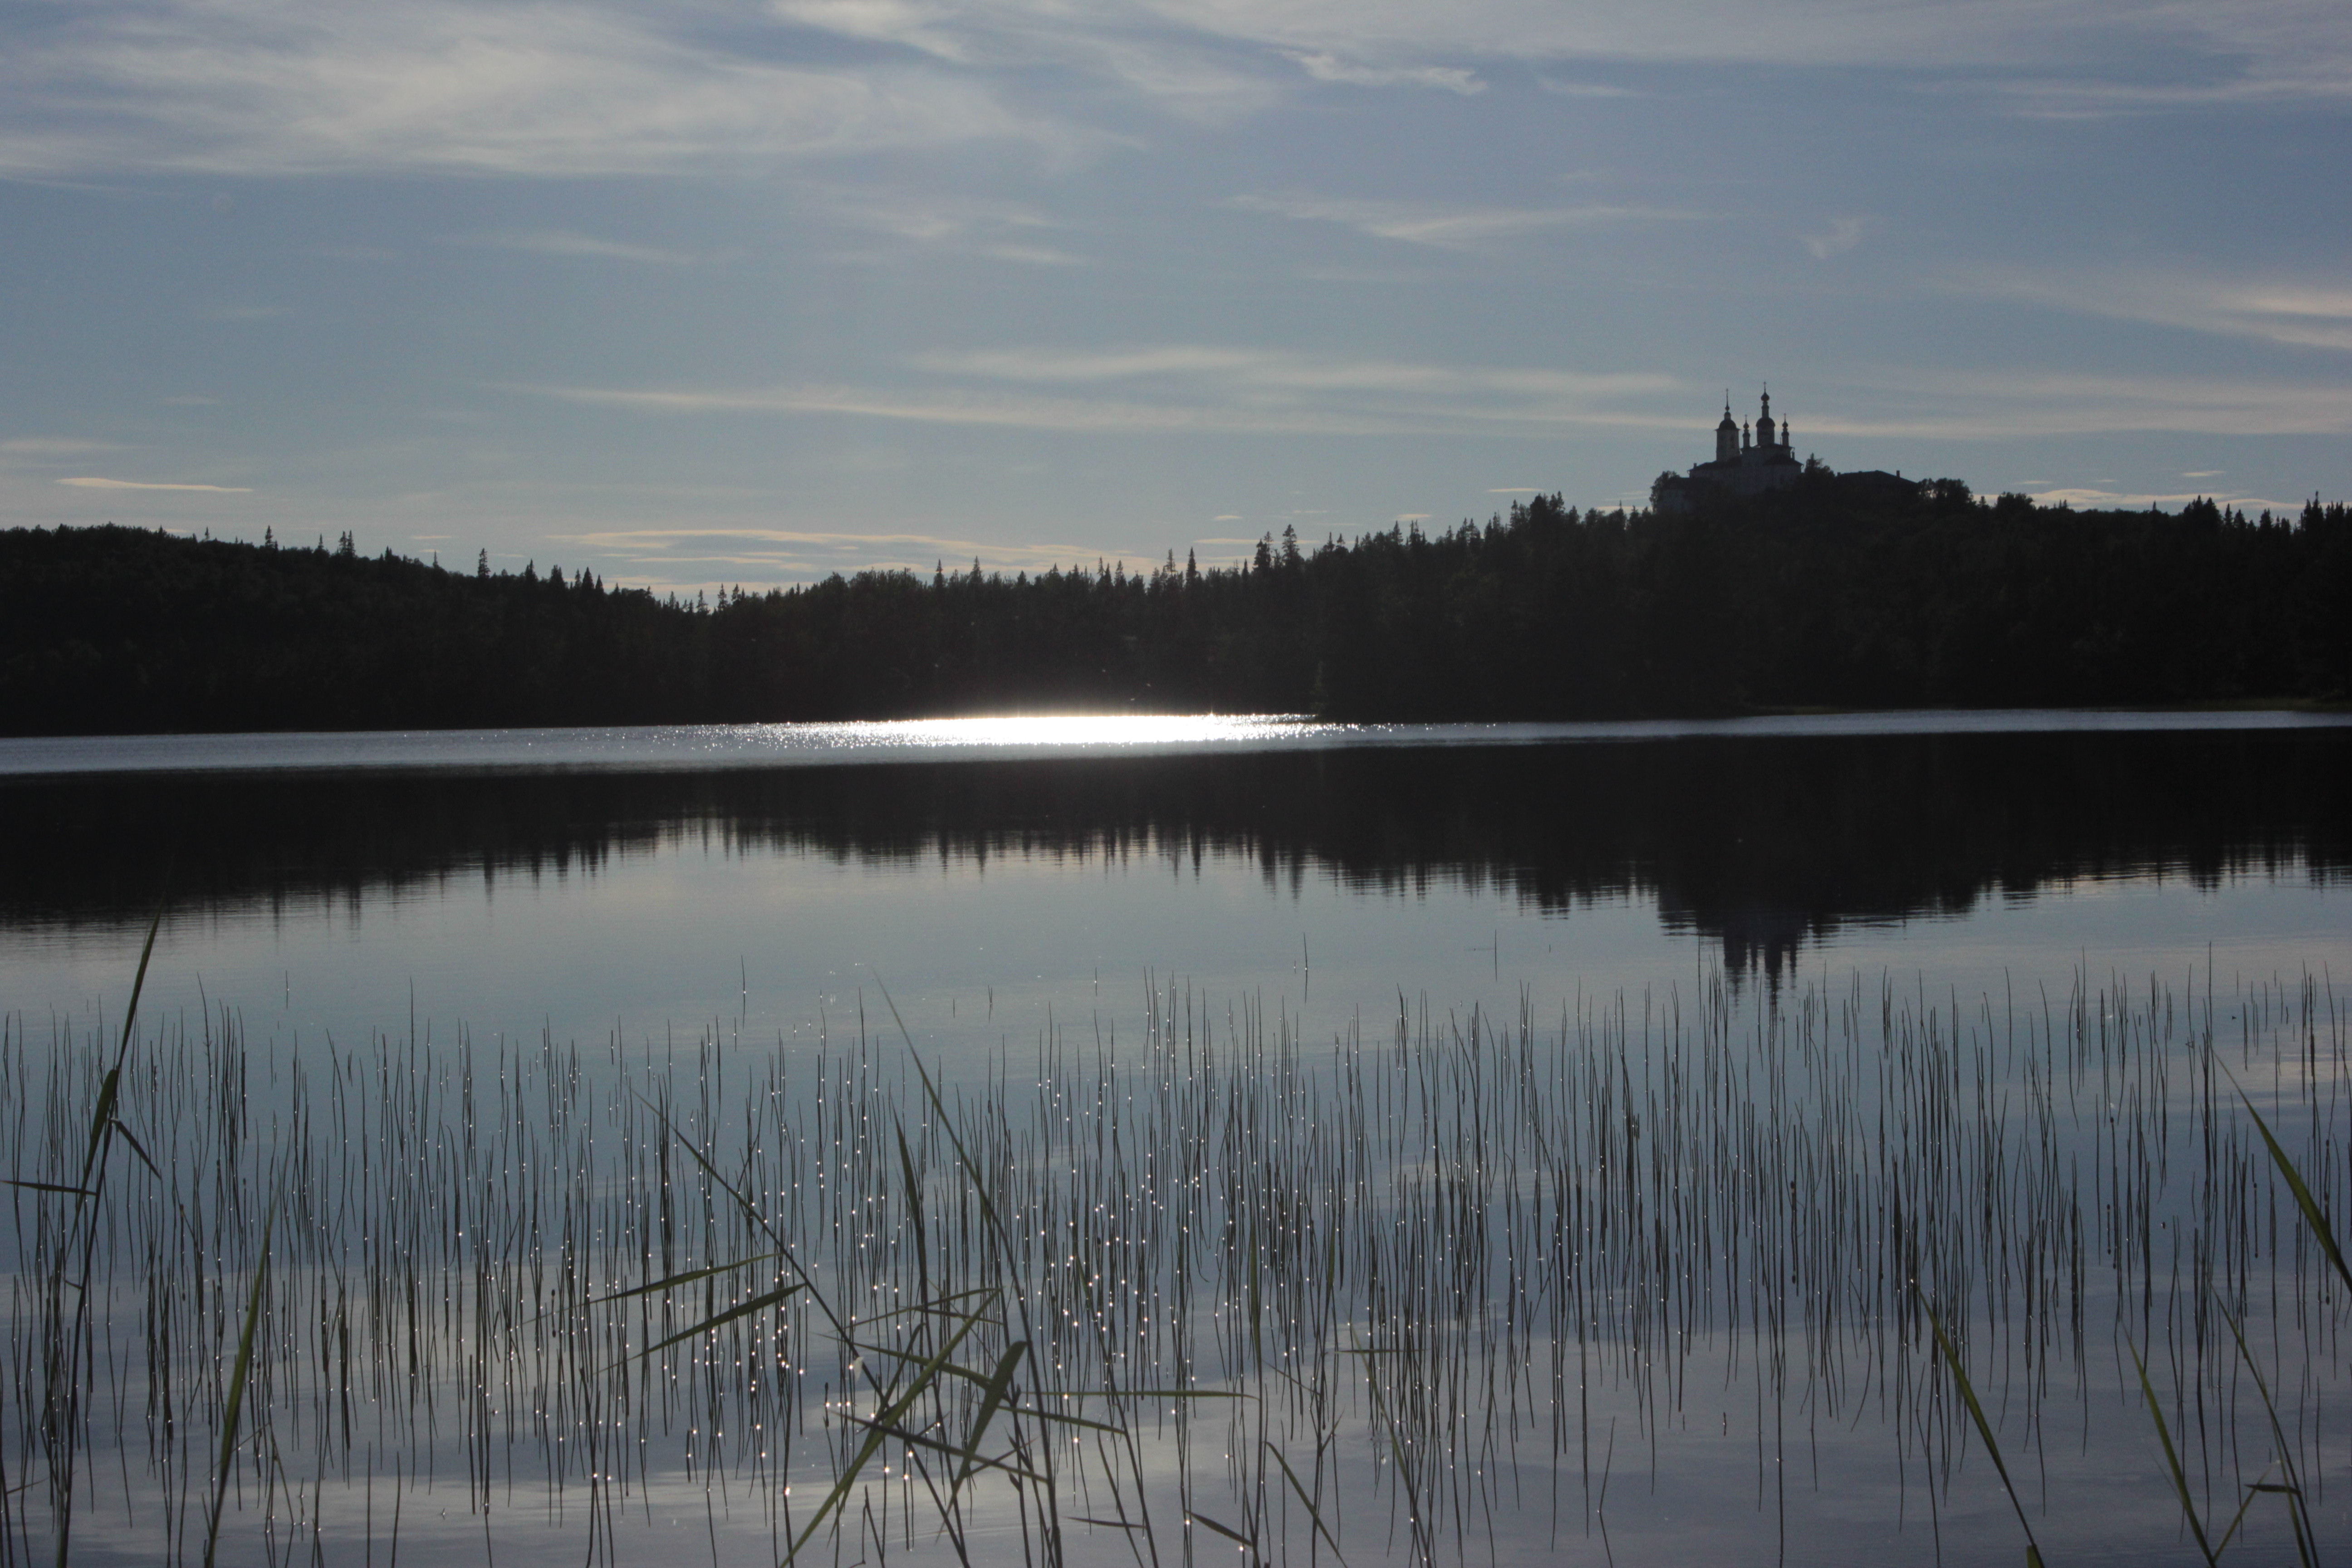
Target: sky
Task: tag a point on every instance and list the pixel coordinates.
(702, 293)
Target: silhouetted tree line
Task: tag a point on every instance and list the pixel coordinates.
(1815, 595)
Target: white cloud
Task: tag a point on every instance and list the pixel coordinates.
(929, 28)
(94, 483)
(1450, 79)
(2292, 313)
(1094, 364)
(1193, 388)
(594, 87)
(1032, 255)
(1244, 369)
(2057, 48)
(2277, 48)
(1449, 228)
(997, 230)
(1069, 416)
(286, 87)
(1564, 88)
(564, 242)
(1842, 235)
(1203, 389)
(2029, 404)
(1179, 68)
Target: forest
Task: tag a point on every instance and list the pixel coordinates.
(1816, 596)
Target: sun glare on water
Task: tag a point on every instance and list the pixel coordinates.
(1056, 731)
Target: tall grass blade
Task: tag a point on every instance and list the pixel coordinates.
(103, 1117)
(234, 1408)
(876, 1434)
(741, 1310)
(2211, 1554)
(688, 1278)
(940, 1446)
(750, 1211)
(1227, 1531)
(2303, 1198)
(64, 1370)
(997, 1394)
(1308, 1503)
(1984, 1429)
(2298, 1512)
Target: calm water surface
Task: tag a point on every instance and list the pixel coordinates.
(1067, 901)
(585, 881)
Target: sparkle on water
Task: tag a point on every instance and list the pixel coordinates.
(1005, 738)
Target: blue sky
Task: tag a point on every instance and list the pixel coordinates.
(702, 293)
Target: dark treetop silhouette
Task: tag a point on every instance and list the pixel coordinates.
(1817, 592)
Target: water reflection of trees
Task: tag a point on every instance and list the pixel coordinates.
(1758, 844)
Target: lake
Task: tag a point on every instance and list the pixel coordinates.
(1405, 1142)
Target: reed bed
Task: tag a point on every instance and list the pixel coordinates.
(1184, 1283)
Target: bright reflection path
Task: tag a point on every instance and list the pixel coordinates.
(1116, 732)
(1003, 739)
(677, 746)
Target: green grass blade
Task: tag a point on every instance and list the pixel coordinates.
(874, 1437)
(750, 1211)
(741, 1310)
(2172, 1462)
(2253, 1491)
(998, 1392)
(1227, 1531)
(111, 1088)
(1984, 1427)
(2295, 1182)
(237, 1376)
(938, 1304)
(941, 1446)
(137, 1148)
(1059, 1418)
(688, 1278)
(100, 1120)
(2298, 1514)
(1308, 1503)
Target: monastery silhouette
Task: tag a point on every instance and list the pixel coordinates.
(1750, 461)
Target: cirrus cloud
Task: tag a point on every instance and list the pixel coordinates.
(276, 87)
(1450, 227)
(93, 482)
(1195, 389)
